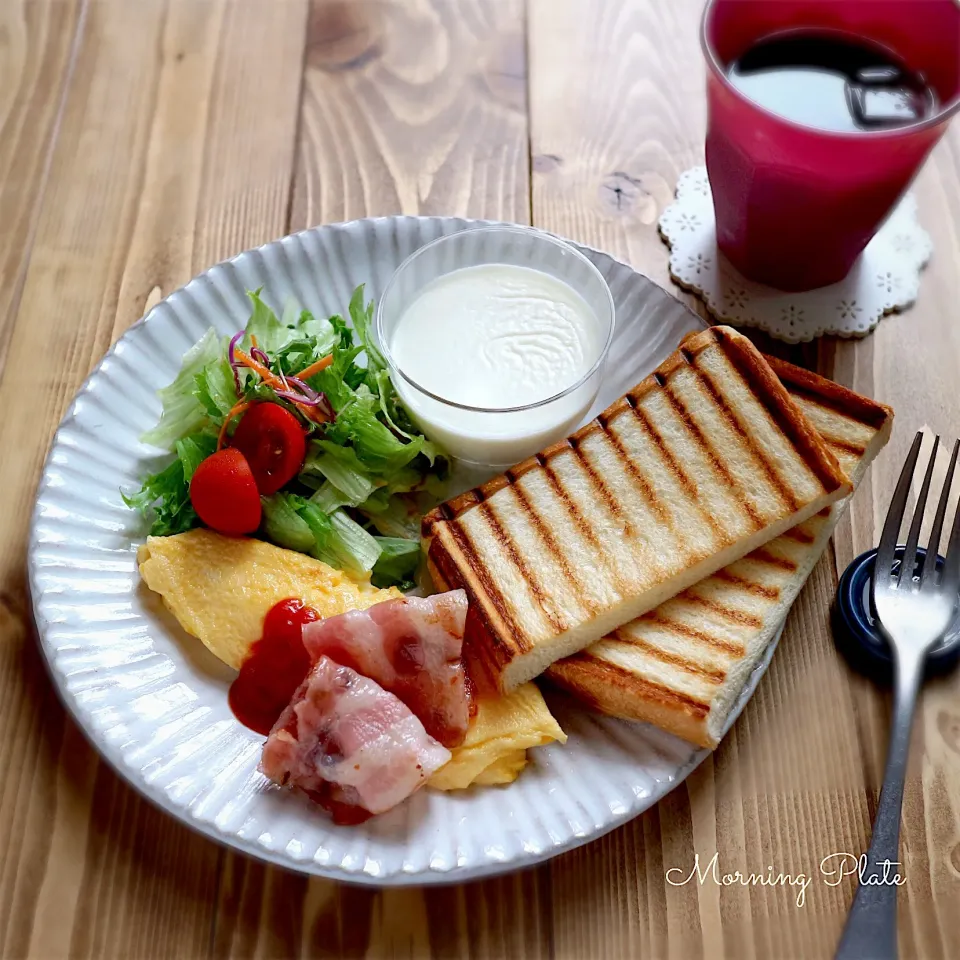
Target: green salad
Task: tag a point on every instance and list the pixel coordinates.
(292, 431)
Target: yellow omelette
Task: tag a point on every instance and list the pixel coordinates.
(220, 589)
(495, 748)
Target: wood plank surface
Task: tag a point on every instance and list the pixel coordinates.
(609, 138)
(35, 70)
(158, 167)
(911, 362)
(420, 108)
(141, 142)
(608, 142)
(413, 106)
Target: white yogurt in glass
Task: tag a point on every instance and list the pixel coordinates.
(499, 335)
(495, 338)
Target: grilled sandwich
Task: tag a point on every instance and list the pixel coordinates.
(701, 463)
(683, 665)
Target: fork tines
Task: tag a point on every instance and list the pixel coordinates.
(891, 527)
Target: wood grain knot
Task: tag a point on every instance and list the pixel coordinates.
(12, 606)
(954, 858)
(546, 162)
(343, 35)
(949, 726)
(621, 191)
(624, 194)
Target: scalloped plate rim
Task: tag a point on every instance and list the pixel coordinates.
(112, 754)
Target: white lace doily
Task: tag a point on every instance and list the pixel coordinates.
(885, 278)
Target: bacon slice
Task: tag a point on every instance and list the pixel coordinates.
(411, 647)
(349, 744)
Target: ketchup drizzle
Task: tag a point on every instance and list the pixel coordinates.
(277, 664)
(274, 668)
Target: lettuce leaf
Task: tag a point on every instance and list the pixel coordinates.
(215, 389)
(296, 354)
(397, 564)
(293, 342)
(321, 530)
(264, 325)
(396, 516)
(320, 331)
(356, 550)
(192, 451)
(328, 498)
(391, 408)
(397, 418)
(164, 497)
(376, 445)
(299, 524)
(283, 525)
(362, 319)
(342, 467)
(339, 380)
(308, 339)
(183, 413)
(338, 540)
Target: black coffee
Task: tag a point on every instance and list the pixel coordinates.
(832, 82)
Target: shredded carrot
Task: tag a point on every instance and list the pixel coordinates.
(253, 340)
(258, 368)
(236, 410)
(311, 413)
(321, 364)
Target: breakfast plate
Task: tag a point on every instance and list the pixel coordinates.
(154, 703)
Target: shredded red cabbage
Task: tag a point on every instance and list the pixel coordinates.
(319, 400)
(234, 364)
(304, 388)
(298, 398)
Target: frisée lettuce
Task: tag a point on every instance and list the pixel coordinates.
(355, 502)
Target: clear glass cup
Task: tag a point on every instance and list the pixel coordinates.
(496, 436)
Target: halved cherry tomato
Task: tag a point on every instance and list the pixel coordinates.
(224, 493)
(274, 444)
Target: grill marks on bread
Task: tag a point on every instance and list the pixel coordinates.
(493, 609)
(713, 674)
(688, 464)
(606, 675)
(681, 664)
(627, 516)
(756, 461)
(682, 651)
(673, 465)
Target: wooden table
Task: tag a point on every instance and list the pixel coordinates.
(143, 141)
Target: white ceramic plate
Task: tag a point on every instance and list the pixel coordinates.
(153, 700)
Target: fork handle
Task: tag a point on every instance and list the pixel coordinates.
(870, 932)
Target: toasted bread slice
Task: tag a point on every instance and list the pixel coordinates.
(701, 463)
(682, 666)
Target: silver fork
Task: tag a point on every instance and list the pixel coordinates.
(913, 613)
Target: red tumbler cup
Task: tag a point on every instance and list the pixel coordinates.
(795, 206)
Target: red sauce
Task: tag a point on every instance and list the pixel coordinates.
(342, 814)
(274, 668)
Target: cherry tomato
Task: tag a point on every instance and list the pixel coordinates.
(224, 493)
(274, 444)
